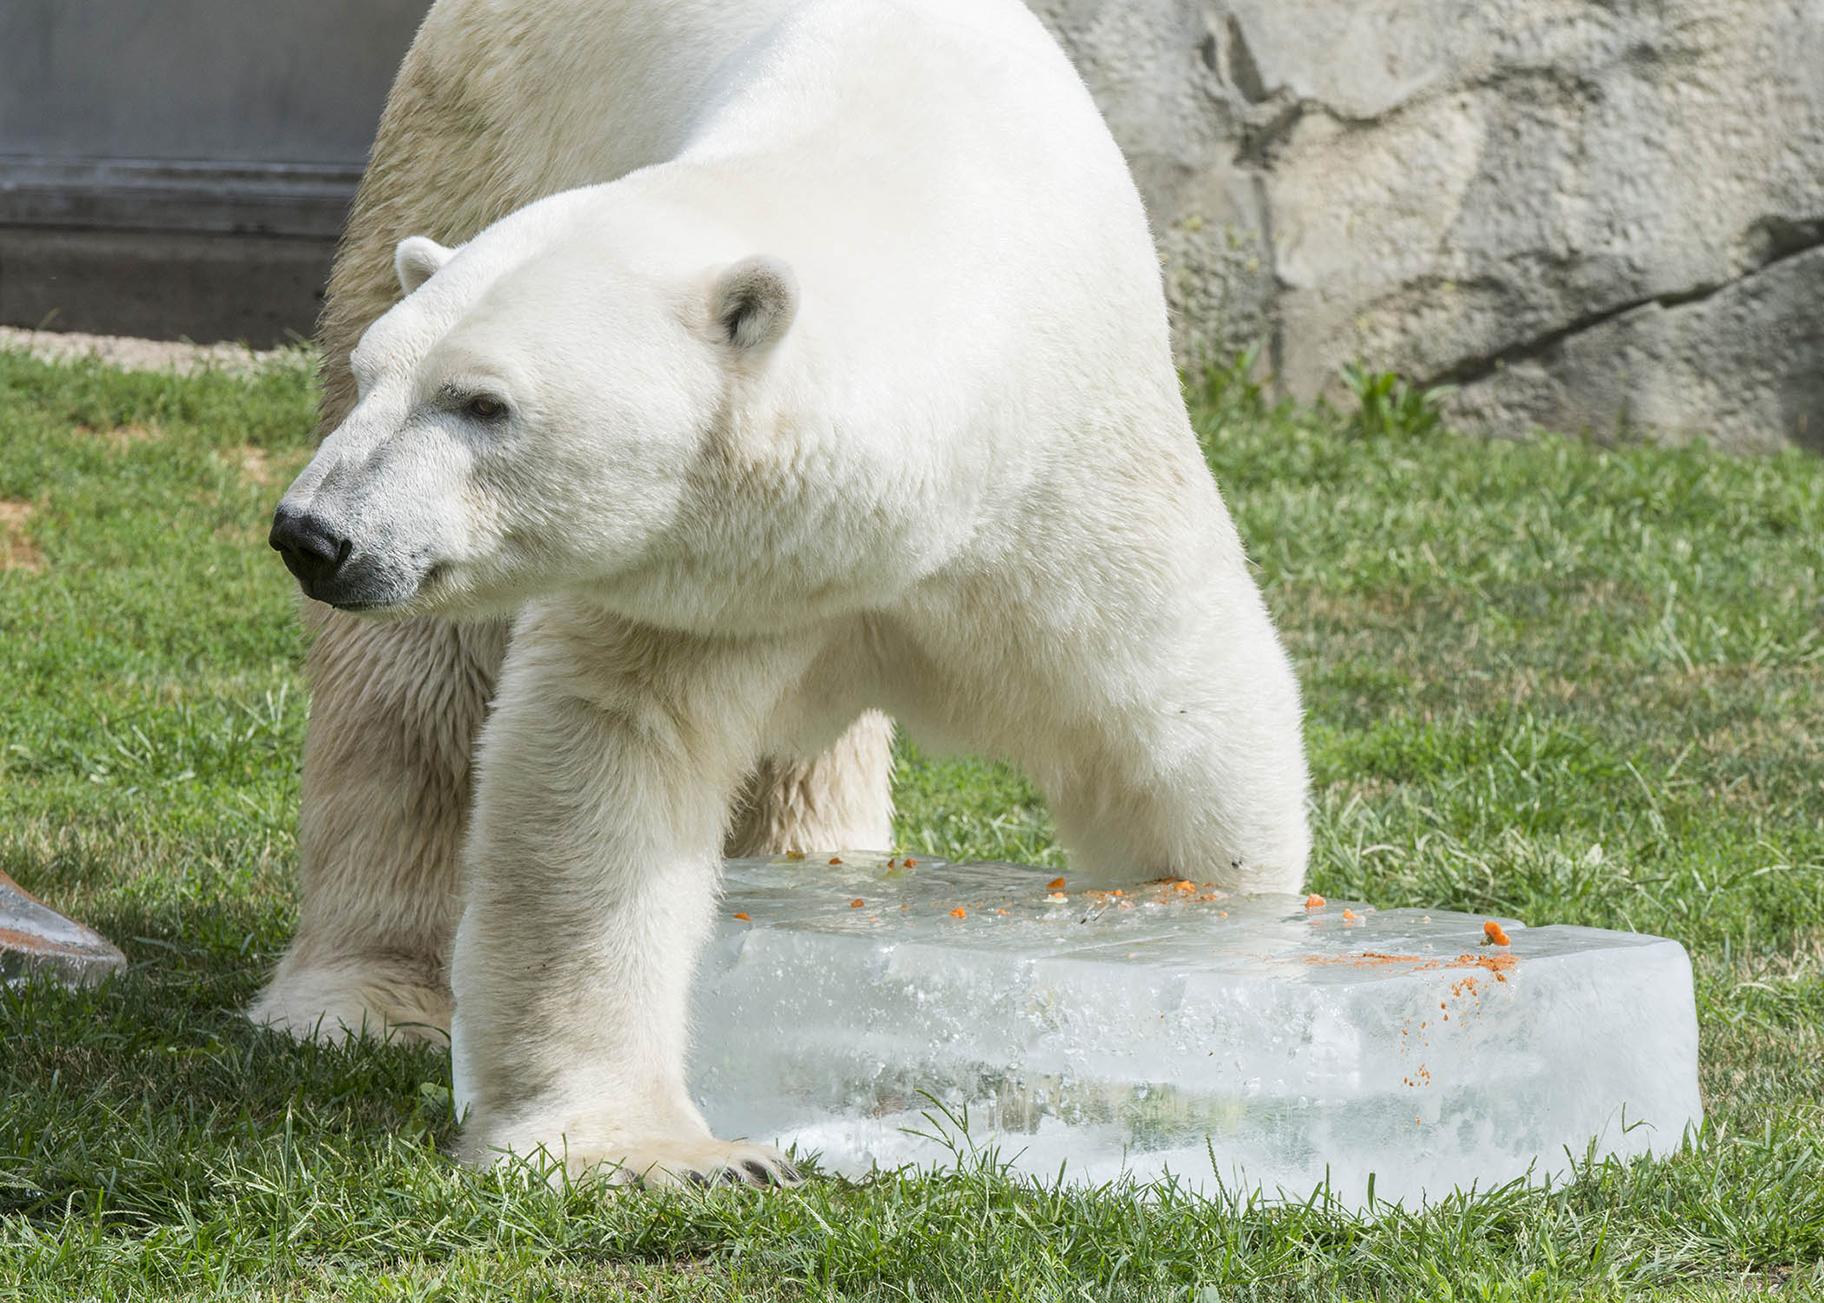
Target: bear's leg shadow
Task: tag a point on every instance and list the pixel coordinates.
(605, 779)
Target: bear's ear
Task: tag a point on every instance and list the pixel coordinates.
(417, 259)
(752, 303)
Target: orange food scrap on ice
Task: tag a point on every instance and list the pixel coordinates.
(909, 862)
(1184, 886)
(1350, 916)
(857, 903)
(1056, 884)
(744, 918)
(1366, 959)
(959, 912)
(1057, 896)
(1492, 930)
(1315, 901)
(835, 859)
(1496, 964)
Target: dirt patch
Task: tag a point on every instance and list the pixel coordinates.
(121, 437)
(17, 551)
(255, 465)
(267, 470)
(146, 354)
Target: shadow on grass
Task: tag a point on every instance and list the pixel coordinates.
(144, 1089)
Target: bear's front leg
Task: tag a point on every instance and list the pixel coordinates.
(605, 777)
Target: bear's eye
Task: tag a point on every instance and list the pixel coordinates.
(485, 407)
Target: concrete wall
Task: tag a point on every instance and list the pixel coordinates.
(295, 81)
(180, 168)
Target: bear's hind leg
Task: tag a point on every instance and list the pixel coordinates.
(840, 801)
(395, 710)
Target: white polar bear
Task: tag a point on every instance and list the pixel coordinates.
(858, 398)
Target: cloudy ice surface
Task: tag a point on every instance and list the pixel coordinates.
(1232, 1042)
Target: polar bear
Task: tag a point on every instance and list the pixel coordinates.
(851, 395)
(495, 106)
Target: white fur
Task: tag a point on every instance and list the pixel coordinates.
(933, 460)
(416, 260)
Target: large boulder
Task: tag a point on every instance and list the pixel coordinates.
(1593, 215)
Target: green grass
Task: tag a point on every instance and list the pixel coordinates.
(1547, 679)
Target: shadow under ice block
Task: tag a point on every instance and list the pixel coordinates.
(1238, 1042)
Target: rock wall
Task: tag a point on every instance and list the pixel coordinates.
(1588, 215)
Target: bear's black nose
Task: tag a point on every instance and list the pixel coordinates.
(312, 550)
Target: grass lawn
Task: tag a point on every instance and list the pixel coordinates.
(1551, 680)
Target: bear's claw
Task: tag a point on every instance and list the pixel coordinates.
(700, 1164)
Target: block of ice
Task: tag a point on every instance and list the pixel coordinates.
(1172, 1028)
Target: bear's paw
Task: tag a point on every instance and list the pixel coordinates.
(659, 1163)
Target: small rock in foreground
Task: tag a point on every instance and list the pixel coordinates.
(35, 939)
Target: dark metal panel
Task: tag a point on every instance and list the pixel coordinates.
(296, 81)
(182, 168)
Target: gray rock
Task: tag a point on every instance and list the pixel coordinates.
(1742, 364)
(1589, 215)
(36, 939)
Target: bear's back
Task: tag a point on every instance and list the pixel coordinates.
(931, 95)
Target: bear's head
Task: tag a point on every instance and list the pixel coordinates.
(533, 416)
